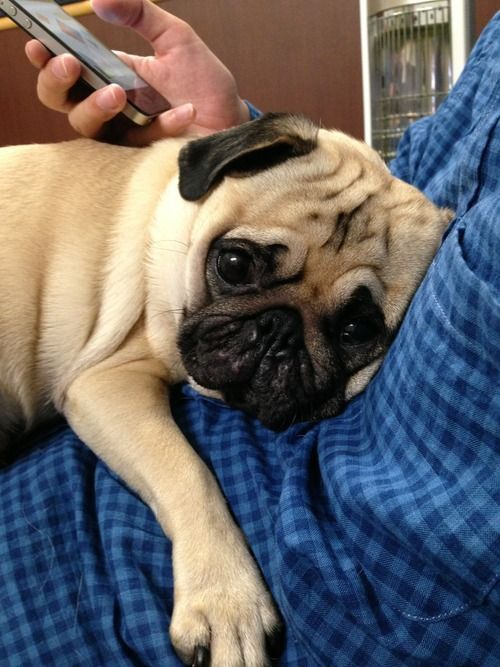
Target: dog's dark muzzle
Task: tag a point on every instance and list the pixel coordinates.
(221, 350)
(259, 362)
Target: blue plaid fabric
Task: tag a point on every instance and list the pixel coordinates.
(378, 531)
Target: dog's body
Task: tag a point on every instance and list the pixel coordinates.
(280, 282)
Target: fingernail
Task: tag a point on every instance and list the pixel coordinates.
(109, 13)
(59, 67)
(107, 99)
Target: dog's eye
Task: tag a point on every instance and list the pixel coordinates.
(359, 331)
(235, 266)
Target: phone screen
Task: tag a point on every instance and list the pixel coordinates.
(94, 54)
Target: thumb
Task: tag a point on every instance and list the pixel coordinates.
(146, 18)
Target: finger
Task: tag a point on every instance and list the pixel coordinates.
(132, 61)
(56, 79)
(141, 65)
(36, 53)
(89, 116)
(149, 20)
(172, 123)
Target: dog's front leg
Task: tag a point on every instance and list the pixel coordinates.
(221, 606)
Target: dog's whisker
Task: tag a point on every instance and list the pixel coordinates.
(177, 241)
(177, 252)
(163, 241)
(169, 311)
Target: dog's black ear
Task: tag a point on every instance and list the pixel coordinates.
(253, 146)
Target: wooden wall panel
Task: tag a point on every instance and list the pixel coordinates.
(293, 55)
(482, 11)
(287, 55)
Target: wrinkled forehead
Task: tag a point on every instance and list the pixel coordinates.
(303, 194)
(297, 203)
(346, 147)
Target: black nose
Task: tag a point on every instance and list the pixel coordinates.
(281, 329)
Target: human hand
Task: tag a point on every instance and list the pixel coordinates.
(199, 87)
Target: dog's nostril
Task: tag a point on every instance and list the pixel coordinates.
(283, 333)
(281, 329)
(288, 345)
(252, 331)
(279, 319)
(265, 325)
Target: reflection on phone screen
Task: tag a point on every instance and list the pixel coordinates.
(82, 43)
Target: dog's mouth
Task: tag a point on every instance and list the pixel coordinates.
(261, 365)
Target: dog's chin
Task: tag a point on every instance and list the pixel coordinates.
(276, 400)
(279, 414)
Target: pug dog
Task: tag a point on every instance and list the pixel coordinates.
(269, 264)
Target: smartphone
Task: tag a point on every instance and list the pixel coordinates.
(61, 33)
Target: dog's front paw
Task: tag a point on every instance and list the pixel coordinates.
(223, 615)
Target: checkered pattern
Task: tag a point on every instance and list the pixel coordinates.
(377, 531)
